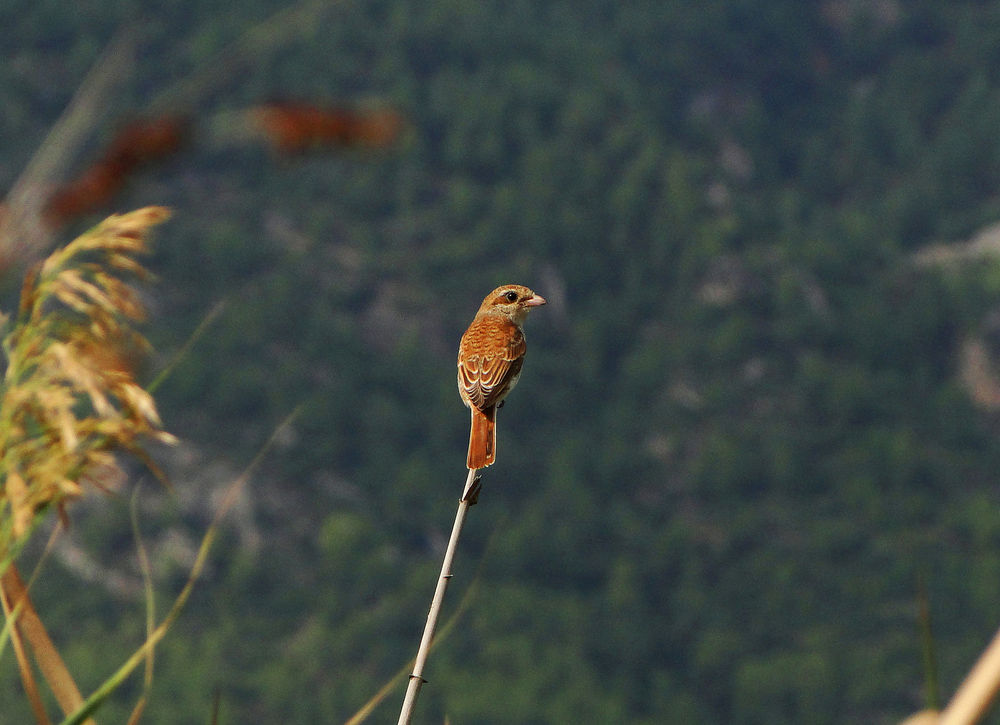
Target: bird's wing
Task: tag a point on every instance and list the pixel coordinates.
(491, 357)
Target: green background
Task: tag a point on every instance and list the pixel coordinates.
(741, 437)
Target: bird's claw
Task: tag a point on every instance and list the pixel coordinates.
(472, 494)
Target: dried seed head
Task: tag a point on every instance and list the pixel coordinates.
(69, 398)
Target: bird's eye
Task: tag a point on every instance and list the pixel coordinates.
(511, 296)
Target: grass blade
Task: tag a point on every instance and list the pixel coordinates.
(111, 684)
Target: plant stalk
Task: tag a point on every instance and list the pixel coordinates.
(972, 700)
(469, 496)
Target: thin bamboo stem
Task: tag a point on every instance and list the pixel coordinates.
(469, 495)
(973, 698)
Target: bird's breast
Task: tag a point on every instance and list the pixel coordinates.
(492, 336)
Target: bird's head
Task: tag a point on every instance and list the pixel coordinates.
(511, 300)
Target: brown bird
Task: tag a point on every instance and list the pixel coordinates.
(490, 357)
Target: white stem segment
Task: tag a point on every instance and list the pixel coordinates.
(975, 694)
(417, 679)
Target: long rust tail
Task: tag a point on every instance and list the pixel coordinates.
(483, 438)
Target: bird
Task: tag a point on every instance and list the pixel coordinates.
(490, 357)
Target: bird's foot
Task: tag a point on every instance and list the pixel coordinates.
(472, 494)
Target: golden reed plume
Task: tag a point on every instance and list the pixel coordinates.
(299, 127)
(69, 399)
(138, 144)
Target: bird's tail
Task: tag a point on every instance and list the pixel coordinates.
(483, 438)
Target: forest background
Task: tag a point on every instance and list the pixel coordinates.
(755, 413)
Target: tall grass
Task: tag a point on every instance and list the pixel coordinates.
(69, 405)
(69, 399)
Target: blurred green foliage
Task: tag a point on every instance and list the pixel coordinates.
(740, 435)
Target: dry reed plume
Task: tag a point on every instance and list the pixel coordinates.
(69, 397)
(299, 127)
(138, 144)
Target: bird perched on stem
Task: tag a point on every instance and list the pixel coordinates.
(490, 357)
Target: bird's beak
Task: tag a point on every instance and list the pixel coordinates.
(534, 301)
